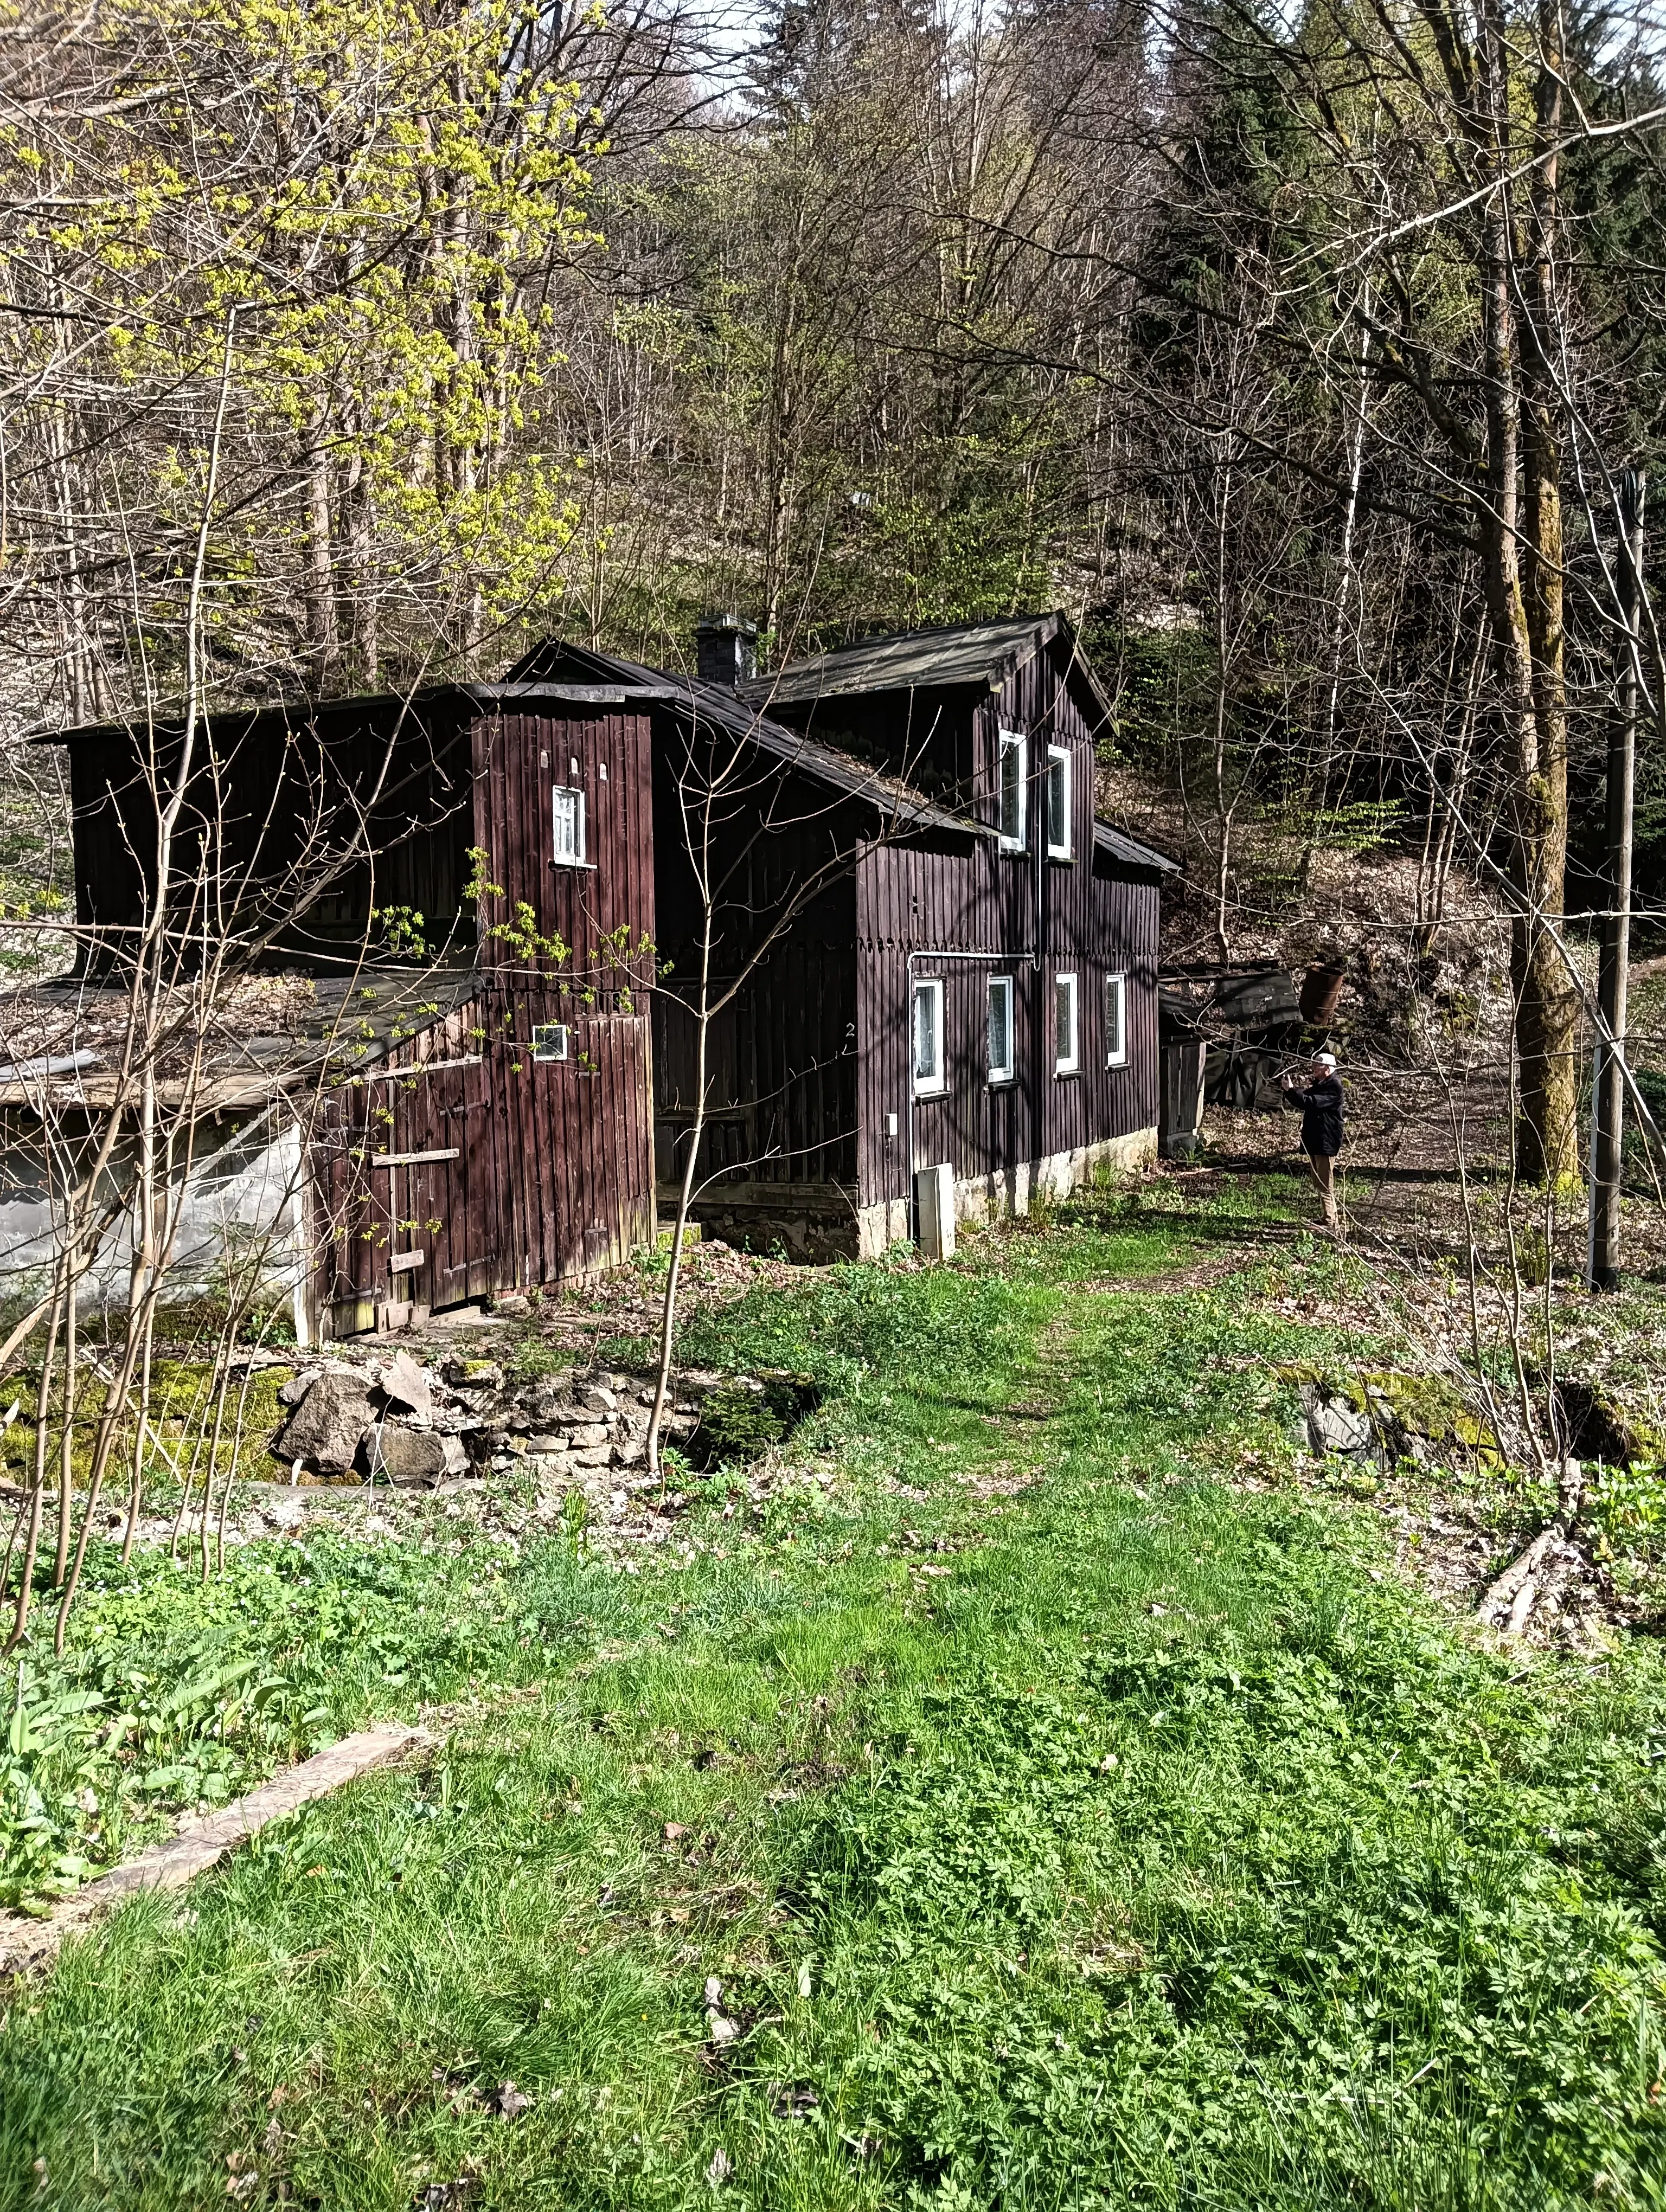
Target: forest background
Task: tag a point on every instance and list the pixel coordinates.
(1299, 355)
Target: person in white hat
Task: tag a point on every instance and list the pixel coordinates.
(1321, 1101)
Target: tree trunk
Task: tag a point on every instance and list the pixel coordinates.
(319, 580)
(1526, 617)
(1546, 1140)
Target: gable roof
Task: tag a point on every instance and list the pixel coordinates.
(1130, 851)
(984, 652)
(693, 702)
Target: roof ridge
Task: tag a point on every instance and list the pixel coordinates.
(945, 657)
(926, 630)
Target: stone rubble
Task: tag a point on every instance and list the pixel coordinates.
(407, 1424)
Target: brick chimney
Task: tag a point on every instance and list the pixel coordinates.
(725, 649)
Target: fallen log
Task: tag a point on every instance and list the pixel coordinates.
(1500, 1599)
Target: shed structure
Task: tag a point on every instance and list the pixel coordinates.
(477, 858)
(923, 956)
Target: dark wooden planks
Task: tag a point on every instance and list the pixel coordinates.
(553, 1177)
(551, 1180)
(781, 1056)
(1081, 917)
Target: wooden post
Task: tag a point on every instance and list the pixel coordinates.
(1608, 1079)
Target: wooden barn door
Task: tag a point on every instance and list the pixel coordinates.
(449, 1182)
(459, 1228)
(406, 1184)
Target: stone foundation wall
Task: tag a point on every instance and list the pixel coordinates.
(810, 1221)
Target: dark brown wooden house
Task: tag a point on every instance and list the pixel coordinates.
(968, 979)
(467, 873)
(1007, 1000)
(935, 971)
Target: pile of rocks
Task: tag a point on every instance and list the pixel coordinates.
(403, 1423)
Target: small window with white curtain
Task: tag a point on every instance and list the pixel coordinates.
(1116, 1034)
(1014, 788)
(569, 827)
(1065, 1057)
(928, 1071)
(1058, 803)
(1002, 1063)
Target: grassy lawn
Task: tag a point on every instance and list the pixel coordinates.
(1072, 1811)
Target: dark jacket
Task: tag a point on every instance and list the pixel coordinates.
(1322, 1117)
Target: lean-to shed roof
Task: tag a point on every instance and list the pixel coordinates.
(690, 701)
(61, 1043)
(1129, 851)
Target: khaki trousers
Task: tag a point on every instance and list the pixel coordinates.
(1322, 1167)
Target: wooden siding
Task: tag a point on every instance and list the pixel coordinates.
(550, 1179)
(520, 760)
(781, 1059)
(554, 1173)
(1089, 919)
(282, 831)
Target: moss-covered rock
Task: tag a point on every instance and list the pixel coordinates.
(1409, 1416)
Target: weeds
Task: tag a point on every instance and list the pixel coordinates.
(1060, 1824)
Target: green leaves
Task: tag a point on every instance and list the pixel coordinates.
(181, 1691)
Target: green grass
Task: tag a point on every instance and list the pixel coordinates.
(1132, 1838)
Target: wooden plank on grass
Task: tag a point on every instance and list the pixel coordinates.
(171, 1865)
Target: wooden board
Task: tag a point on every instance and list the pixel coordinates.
(29, 1944)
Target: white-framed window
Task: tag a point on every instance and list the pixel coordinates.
(1002, 1066)
(1065, 1057)
(569, 827)
(551, 1041)
(927, 1037)
(1116, 1030)
(1058, 803)
(1014, 791)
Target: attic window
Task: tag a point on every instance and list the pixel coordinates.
(569, 827)
(551, 1041)
(1058, 803)
(1014, 780)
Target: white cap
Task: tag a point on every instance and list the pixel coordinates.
(1324, 1059)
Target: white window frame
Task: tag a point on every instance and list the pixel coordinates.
(1012, 741)
(575, 858)
(551, 1041)
(1060, 756)
(927, 990)
(1002, 986)
(1116, 995)
(1072, 1064)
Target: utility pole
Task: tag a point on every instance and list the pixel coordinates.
(1608, 1079)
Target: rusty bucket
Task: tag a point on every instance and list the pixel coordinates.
(1321, 990)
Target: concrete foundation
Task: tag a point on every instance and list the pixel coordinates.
(810, 1221)
(1009, 1191)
